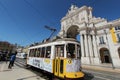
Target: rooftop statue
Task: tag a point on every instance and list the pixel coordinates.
(72, 9)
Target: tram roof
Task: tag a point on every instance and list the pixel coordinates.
(63, 40)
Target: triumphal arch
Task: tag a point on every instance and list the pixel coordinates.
(96, 37)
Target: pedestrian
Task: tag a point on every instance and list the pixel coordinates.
(12, 59)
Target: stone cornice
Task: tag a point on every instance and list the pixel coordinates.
(109, 25)
(97, 20)
(96, 28)
(104, 26)
(74, 13)
(115, 23)
(82, 28)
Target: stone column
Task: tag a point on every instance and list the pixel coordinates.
(82, 45)
(96, 53)
(90, 49)
(86, 45)
(83, 60)
(95, 46)
(87, 59)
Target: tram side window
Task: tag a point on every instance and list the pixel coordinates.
(43, 52)
(35, 50)
(59, 50)
(48, 52)
(62, 51)
(38, 52)
(30, 53)
(78, 52)
(56, 51)
(71, 50)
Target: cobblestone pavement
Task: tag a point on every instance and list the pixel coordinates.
(90, 73)
(100, 75)
(17, 73)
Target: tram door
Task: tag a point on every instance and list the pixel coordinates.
(59, 60)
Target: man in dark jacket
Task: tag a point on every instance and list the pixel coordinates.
(12, 59)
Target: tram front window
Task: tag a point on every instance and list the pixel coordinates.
(59, 50)
(71, 53)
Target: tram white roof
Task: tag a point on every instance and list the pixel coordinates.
(56, 42)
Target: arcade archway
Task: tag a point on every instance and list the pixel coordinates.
(72, 32)
(105, 55)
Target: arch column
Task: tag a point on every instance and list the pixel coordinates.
(82, 45)
(90, 49)
(86, 45)
(96, 53)
(84, 48)
(87, 57)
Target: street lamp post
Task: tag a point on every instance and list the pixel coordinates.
(109, 49)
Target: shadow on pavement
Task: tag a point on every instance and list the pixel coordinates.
(88, 76)
(5, 70)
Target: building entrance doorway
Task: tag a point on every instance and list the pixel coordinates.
(105, 55)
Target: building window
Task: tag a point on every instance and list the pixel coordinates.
(101, 40)
(118, 37)
(117, 28)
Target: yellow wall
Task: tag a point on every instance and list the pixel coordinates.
(114, 38)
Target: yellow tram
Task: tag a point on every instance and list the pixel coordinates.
(61, 57)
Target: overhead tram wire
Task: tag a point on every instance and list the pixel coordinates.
(14, 21)
(53, 30)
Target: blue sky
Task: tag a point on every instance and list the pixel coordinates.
(23, 21)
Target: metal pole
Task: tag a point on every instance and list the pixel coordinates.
(109, 50)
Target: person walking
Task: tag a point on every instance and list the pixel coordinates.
(12, 59)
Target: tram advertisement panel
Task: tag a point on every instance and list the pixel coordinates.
(45, 64)
(73, 65)
(36, 62)
(48, 65)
